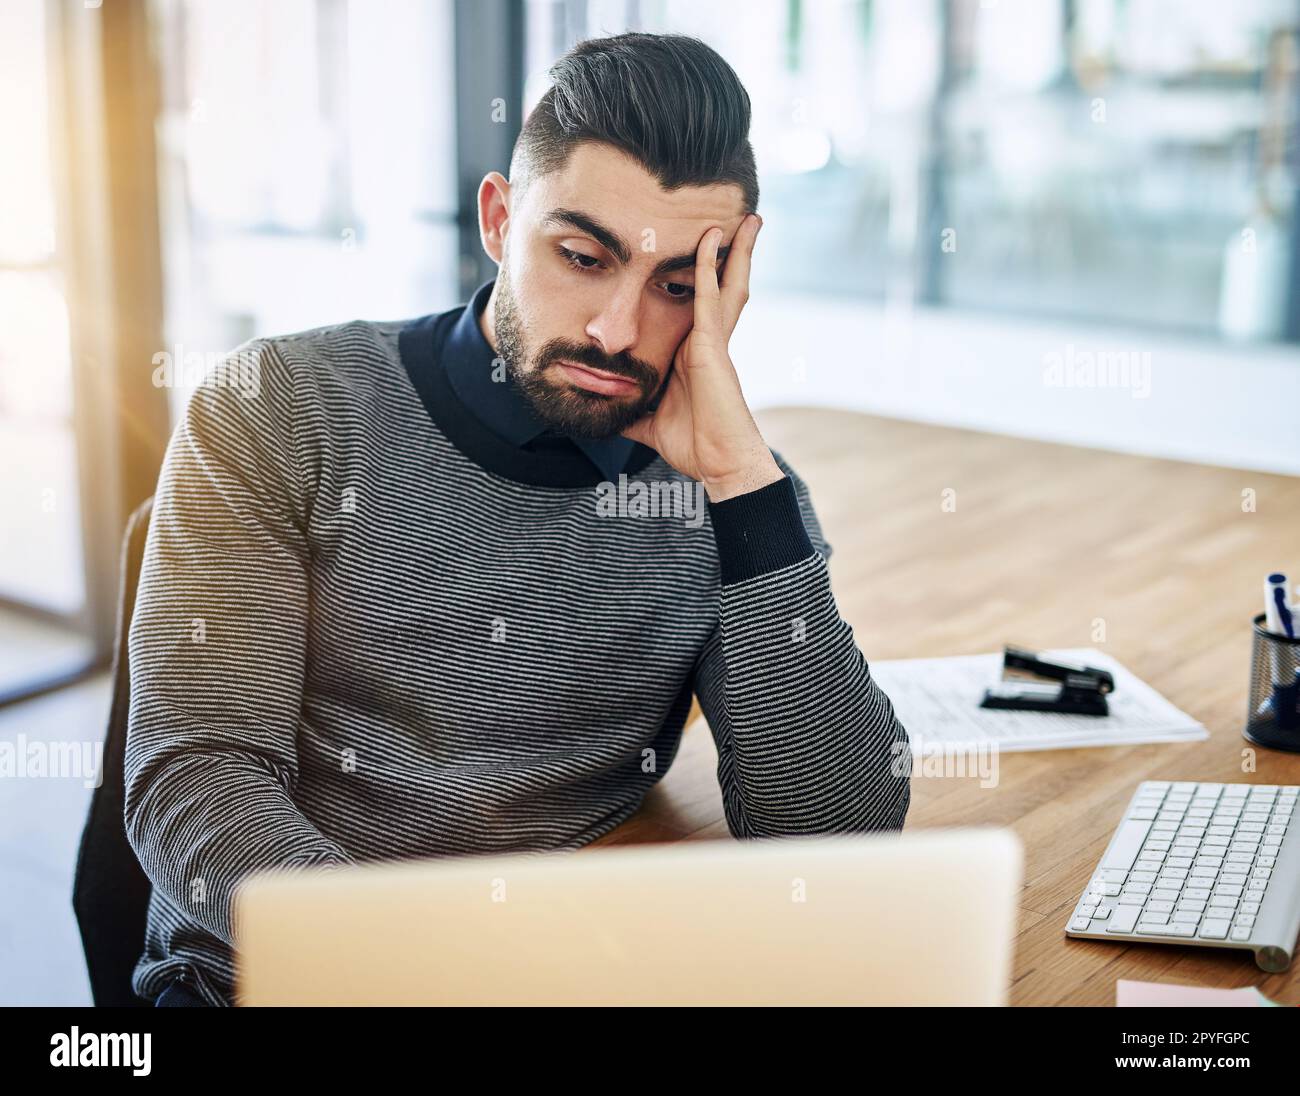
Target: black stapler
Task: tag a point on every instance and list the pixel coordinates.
(1032, 683)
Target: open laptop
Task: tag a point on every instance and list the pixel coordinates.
(916, 919)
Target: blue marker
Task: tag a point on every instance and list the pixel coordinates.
(1278, 621)
(1278, 615)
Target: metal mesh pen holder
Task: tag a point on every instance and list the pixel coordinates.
(1273, 714)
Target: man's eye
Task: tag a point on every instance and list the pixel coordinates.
(679, 292)
(578, 260)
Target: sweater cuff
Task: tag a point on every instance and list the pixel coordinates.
(759, 532)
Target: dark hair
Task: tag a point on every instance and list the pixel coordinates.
(667, 100)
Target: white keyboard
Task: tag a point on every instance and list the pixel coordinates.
(1213, 865)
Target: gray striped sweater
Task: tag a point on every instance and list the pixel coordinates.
(353, 643)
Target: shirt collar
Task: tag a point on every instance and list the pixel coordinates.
(499, 405)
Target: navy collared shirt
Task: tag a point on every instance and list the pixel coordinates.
(449, 354)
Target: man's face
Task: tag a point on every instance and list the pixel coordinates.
(595, 289)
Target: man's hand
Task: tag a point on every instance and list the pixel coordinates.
(703, 427)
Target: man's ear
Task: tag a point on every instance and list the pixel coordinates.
(494, 214)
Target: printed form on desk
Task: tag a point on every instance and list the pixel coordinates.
(937, 701)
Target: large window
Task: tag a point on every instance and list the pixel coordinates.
(42, 581)
(307, 165)
(298, 159)
(1128, 161)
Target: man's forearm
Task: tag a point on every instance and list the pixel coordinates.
(203, 820)
(812, 744)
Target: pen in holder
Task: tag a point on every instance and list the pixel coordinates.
(1273, 714)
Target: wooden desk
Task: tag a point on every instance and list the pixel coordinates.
(1045, 541)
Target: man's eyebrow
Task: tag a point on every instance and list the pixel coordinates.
(612, 242)
(685, 262)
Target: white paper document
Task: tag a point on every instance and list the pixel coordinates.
(937, 700)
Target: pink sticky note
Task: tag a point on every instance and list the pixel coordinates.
(1160, 995)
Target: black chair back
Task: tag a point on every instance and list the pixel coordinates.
(110, 892)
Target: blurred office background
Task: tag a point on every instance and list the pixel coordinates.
(954, 191)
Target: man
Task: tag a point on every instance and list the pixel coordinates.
(447, 587)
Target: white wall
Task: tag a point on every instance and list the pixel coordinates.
(1201, 400)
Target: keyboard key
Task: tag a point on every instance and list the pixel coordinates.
(1155, 928)
(1125, 844)
(1123, 919)
(1214, 929)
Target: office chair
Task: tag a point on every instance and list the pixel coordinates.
(110, 891)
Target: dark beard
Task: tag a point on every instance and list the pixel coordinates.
(564, 408)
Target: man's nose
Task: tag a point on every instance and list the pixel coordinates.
(615, 326)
